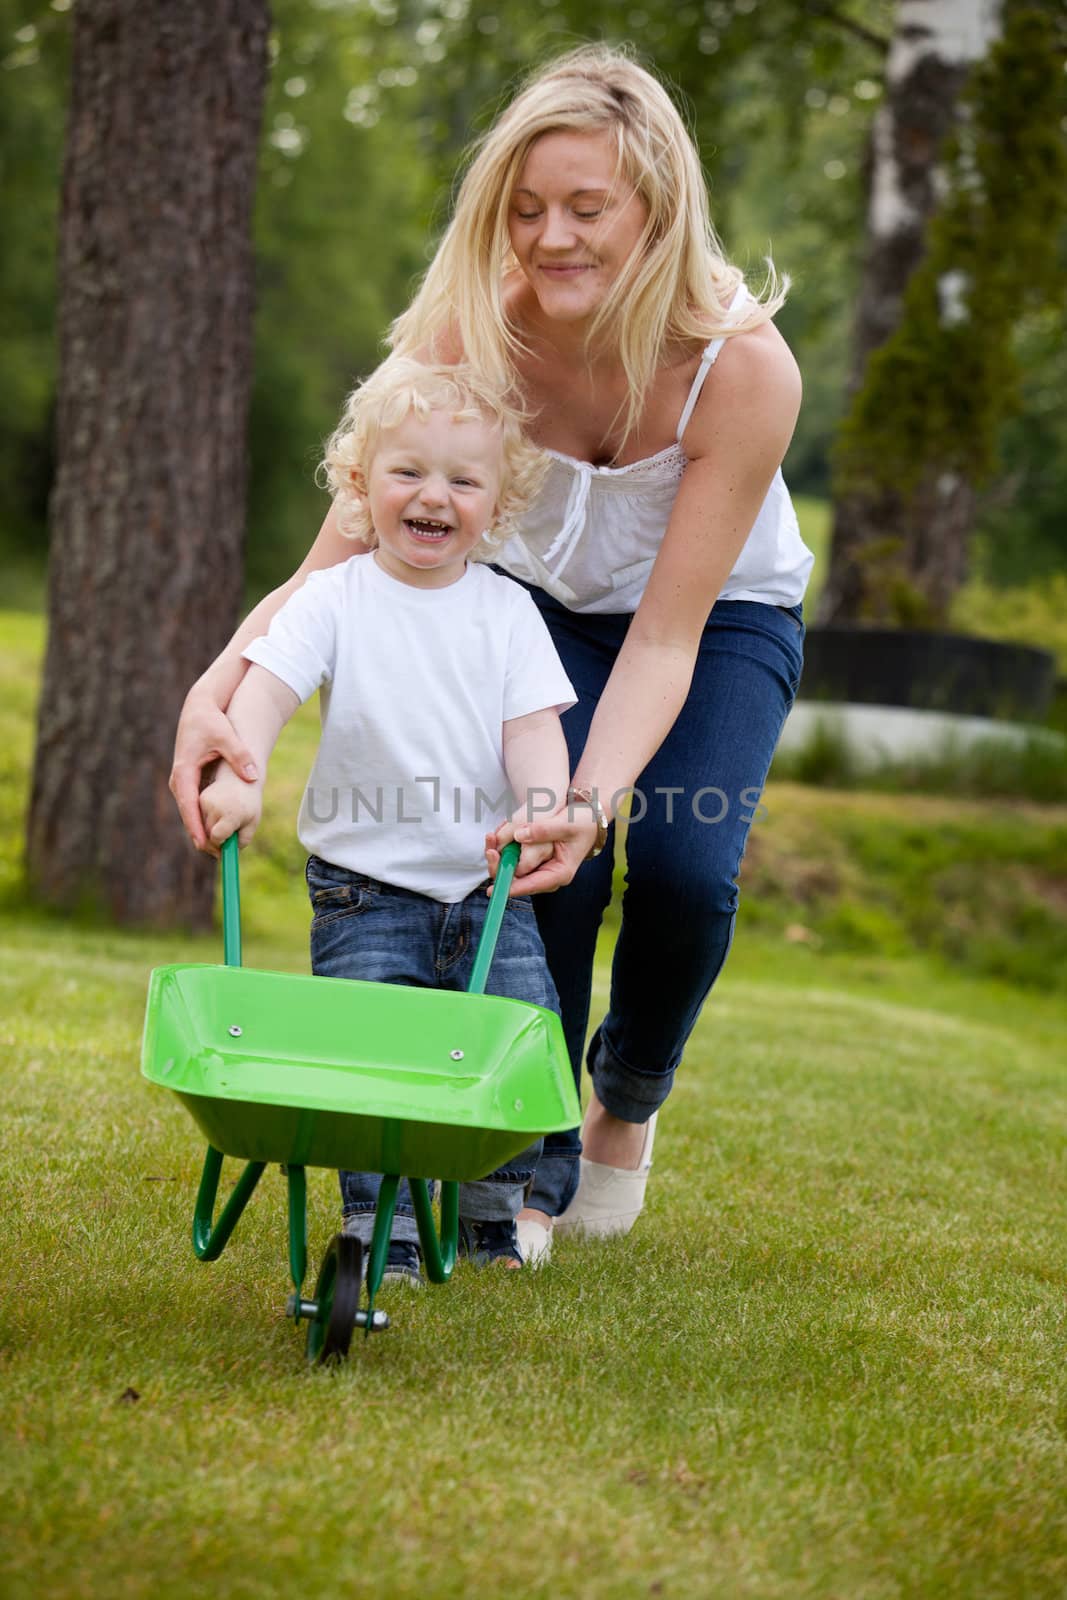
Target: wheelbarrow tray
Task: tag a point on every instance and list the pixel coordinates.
(335, 1072)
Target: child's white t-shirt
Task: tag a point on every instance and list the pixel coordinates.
(416, 686)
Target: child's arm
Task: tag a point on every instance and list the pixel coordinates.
(538, 769)
(261, 706)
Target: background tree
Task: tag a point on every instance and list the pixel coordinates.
(147, 513)
(34, 69)
(968, 191)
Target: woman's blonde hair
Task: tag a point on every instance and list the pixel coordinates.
(677, 285)
(399, 387)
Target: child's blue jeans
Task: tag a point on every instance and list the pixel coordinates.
(365, 929)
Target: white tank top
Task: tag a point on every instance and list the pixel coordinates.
(592, 534)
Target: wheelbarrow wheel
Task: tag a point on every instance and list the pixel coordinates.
(337, 1300)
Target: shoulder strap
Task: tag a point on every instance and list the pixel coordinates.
(707, 361)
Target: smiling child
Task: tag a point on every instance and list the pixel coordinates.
(440, 694)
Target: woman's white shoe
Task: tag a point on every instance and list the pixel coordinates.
(609, 1199)
(535, 1241)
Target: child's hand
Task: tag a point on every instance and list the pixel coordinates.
(230, 805)
(568, 837)
(531, 856)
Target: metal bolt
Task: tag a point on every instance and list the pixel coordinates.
(296, 1307)
(518, 1105)
(235, 1031)
(379, 1321)
(457, 1055)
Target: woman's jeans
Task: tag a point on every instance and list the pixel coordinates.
(692, 809)
(370, 930)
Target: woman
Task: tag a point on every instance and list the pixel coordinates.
(582, 270)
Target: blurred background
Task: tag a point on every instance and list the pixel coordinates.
(370, 106)
(929, 331)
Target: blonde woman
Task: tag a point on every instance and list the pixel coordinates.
(581, 270)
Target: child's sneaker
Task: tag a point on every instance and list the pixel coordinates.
(402, 1264)
(487, 1242)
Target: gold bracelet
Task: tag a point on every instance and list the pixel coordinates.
(588, 797)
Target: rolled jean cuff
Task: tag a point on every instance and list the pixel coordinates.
(625, 1091)
(491, 1200)
(360, 1225)
(555, 1181)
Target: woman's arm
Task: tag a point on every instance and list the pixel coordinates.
(261, 706)
(204, 732)
(535, 760)
(735, 442)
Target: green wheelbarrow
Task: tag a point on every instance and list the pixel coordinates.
(334, 1072)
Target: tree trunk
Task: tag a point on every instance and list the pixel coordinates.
(900, 557)
(147, 511)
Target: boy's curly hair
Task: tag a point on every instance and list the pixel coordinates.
(402, 385)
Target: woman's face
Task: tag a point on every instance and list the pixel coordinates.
(573, 228)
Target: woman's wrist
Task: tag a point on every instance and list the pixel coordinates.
(586, 795)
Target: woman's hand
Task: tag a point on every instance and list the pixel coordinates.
(204, 734)
(553, 848)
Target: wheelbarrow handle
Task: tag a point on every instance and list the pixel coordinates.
(231, 911)
(483, 960)
(231, 903)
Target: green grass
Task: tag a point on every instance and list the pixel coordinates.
(829, 1362)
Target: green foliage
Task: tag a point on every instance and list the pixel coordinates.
(341, 213)
(1035, 613)
(369, 109)
(980, 886)
(938, 390)
(1022, 531)
(1034, 768)
(865, 928)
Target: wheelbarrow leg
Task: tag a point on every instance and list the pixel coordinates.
(439, 1254)
(298, 1226)
(379, 1244)
(209, 1242)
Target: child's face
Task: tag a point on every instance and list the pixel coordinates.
(432, 490)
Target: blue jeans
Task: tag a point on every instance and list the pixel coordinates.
(365, 929)
(698, 797)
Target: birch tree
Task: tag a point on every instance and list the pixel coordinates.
(898, 550)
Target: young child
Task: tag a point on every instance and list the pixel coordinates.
(440, 693)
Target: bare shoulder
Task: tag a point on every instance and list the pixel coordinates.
(444, 350)
(752, 392)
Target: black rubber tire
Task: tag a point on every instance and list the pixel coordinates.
(337, 1293)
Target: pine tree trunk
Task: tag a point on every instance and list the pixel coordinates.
(888, 549)
(147, 511)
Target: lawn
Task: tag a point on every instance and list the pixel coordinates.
(829, 1362)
